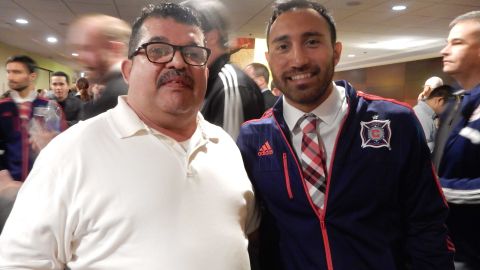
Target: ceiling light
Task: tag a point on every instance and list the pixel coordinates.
(75, 54)
(351, 55)
(52, 39)
(399, 7)
(21, 21)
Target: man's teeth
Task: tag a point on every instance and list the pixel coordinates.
(301, 76)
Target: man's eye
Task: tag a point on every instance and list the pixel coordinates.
(158, 51)
(312, 42)
(281, 47)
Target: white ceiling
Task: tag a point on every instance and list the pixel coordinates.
(364, 26)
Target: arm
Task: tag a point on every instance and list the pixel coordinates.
(461, 190)
(36, 234)
(460, 173)
(425, 209)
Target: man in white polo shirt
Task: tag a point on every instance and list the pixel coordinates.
(170, 191)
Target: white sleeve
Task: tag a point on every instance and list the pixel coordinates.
(36, 234)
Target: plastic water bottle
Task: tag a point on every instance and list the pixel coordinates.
(53, 116)
(48, 117)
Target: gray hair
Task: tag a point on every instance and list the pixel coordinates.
(469, 16)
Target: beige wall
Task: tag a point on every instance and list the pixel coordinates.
(43, 75)
(401, 81)
(242, 58)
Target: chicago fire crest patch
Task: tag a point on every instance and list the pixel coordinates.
(376, 133)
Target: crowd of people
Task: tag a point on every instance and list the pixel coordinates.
(168, 156)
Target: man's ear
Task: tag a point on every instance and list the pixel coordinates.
(267, 56)
(337, 52)
(126, 69)
(33, 76)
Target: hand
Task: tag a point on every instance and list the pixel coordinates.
(6, 181)
(40, 139)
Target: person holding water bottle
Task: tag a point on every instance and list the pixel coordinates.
(17, 107)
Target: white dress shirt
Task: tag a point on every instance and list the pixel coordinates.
(330, 112)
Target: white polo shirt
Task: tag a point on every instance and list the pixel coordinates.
(109, 193)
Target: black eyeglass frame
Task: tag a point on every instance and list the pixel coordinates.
(175, 49)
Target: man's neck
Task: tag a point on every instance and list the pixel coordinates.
(177, 128)
(468, 83)
(25, 92)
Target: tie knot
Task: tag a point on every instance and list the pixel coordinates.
(308, 123)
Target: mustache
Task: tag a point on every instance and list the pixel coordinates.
(175, 74)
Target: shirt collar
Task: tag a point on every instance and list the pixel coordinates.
(327, 111)
(126, 123)
(18, 99)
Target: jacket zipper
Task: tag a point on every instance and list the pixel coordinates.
(287, 176)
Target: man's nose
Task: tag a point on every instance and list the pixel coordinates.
(177, 61)
(299, 55)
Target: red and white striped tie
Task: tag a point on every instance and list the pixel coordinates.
(313, 159)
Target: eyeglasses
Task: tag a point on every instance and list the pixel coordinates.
(161, 53)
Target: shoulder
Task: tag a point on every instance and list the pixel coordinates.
(253, 126)
(81, 135)
(6, 100)
(389, 102)
(387, 107)
(216, 133)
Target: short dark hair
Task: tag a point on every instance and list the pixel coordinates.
(61, 74)
(281, 7)
(444, 91)
(212, 15)
(26, 60)
(181, 14)
(260, 70)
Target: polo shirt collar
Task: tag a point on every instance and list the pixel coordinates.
(126, 123)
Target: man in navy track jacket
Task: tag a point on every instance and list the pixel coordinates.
(459, 141)
(383, 207)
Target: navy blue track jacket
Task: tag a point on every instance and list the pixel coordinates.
(384, 208)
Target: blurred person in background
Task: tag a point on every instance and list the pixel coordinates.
(429, 109)
(260, 75)
(16, 111)
(101, 42)
(232, 97)
(18, 147)
(71, 106)
(430, 84)
(457, 149)
(83, 91)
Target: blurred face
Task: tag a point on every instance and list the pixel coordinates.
(174, 88)
(461, 55)
(250, 72)
(59, 86)
(93, 50)
(19, 77)
(260, 81)
(302, 58)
